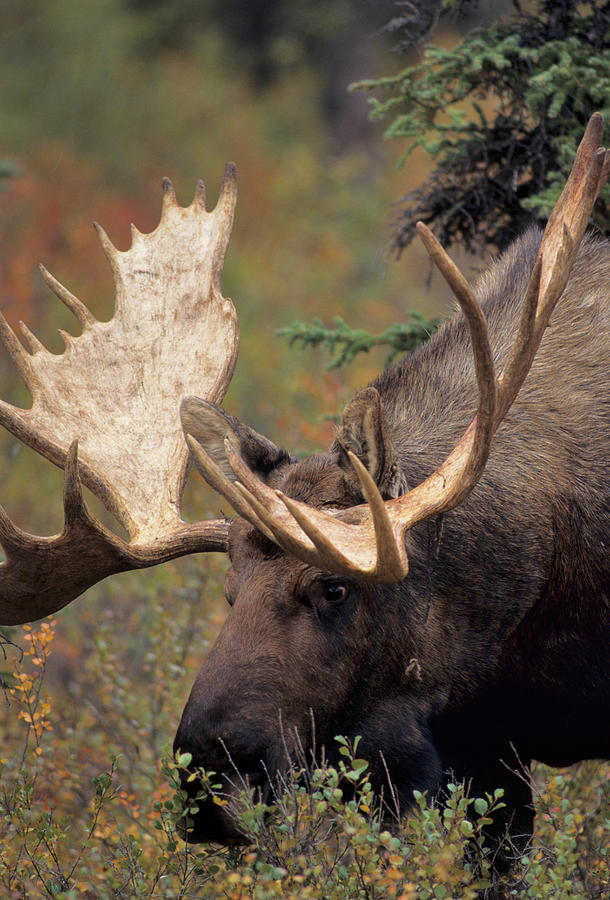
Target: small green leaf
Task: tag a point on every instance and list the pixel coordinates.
(481, 806)
(466, 828)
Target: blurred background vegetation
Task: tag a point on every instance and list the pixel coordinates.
(98, 101)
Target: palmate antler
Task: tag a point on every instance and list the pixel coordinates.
(107, 408)
(368, 541)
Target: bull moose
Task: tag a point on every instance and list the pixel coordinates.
(437, 583)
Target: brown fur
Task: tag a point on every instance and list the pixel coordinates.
(498, 638)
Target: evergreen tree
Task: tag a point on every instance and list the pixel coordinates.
(500, 114)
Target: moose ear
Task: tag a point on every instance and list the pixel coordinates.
(210, 425)
(363, 430)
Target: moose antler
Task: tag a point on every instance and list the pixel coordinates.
(368, 541)
(107, 408)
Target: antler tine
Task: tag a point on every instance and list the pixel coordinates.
(215, 478)
(392, 560)
(30, 339)
(483, 362)
(117, 389)
(110, 251)
(228, 190)
(22, 360)
(169, 194)
(562, 236)
(200, 193)
(82, 313)
(225, 212)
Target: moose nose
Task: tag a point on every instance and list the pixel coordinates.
(238, 760)
(222, 743)
(227, 749)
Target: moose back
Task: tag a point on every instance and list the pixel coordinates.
(437, 582)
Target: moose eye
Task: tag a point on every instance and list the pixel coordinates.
(334, 591)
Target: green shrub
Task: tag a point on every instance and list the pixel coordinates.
(68, 833)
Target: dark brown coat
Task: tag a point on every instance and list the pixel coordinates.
(497, 642)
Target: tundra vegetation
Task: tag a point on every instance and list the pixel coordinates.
(88, 787)
(90, 801)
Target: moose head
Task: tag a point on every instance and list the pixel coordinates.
(358, 604)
